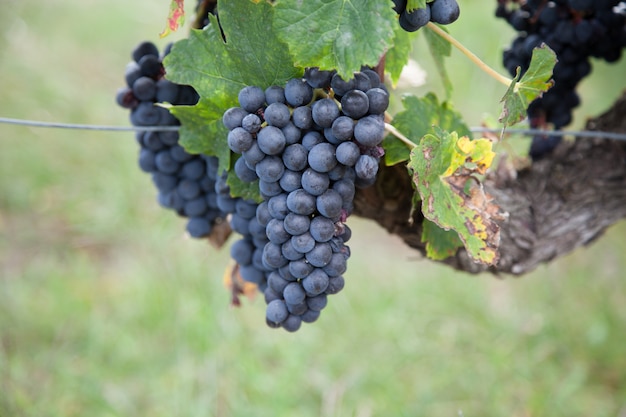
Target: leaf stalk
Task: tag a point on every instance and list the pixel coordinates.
(408, 142)
(458, 45)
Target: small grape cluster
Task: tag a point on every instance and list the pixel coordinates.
(203, 9)
(575, 30)
(185, 182)
(309, 144)
(438, 11)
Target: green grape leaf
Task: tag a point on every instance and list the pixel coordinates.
(175, 18)
(195, 130)
(440, 49)
(533, 84)
(444, 169)
(440, 243)
(218, 69)
(342, 34)
(419, 117)
(398, 55)
(415, 4)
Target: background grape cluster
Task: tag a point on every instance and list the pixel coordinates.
(186, 183)
(576, 30)
(309, 144)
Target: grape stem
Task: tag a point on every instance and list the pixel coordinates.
(458, 45)
(391, 129)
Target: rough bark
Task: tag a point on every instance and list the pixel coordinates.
(555, 205)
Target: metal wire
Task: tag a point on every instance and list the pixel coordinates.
(533, 132)
(35, 123)
(477, 129)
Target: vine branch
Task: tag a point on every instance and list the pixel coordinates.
(557, 204)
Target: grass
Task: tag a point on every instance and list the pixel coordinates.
(107, 309)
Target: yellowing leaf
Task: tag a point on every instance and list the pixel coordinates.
(480, 151)
(440, 243)
(220, 234)
(237, 286)
(444, 168)
(176, 17)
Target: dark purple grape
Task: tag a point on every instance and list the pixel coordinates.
(143, 49)
(313, 182)
(325, 111)
(301, 202)
(144, 89)
(347, 153)
(274, 94)
(296, 224)
(416, 19)
(251, 98)
(298, 92)
(341, 86)
(271, 140)
(319, 256)
(251, 123)
(378, 100)
(277, 206)
(322, 228)
(300, 268)
(343, 128)
(317, 303)
(276, 311)
(303, 243)
(292, 323)
(277, 114)
(270, 168)
(302, 117)
(355, 104)
(239, 140)
(370, 131)
(291, 180)
(294, 293)
(444, 11)
(295, 157)
(318, 79)
(273, 257)
(316, 283)
(335, 284)
(150, 66)
(233, 117)
(167, 91)
(329, 204)
(322, 157)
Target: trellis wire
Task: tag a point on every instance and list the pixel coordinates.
(533, 132)
(477, 129)
(35, 123)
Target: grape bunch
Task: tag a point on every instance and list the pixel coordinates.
(186, 183)
(309, 144)
(443, 12)
(576, 30)
(247, 252)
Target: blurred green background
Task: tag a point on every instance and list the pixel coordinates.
(108, 309)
